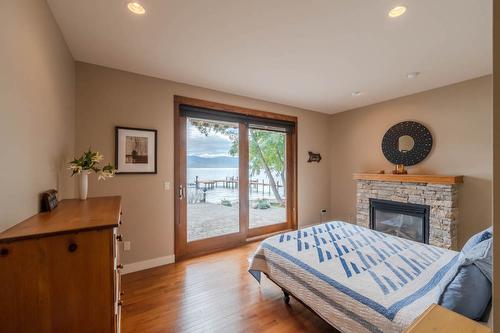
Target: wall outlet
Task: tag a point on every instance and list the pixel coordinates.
(126, 246)
(323, 215)
(166, 186)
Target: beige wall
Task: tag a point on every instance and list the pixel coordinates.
(459, 117)
(107, 98)
(37, 113)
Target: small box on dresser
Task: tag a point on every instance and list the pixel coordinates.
(60, 270)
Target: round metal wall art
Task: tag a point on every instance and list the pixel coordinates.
(422, 143)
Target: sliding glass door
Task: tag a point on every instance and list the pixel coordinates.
(267, 161)
(234, 176)
(212, 184)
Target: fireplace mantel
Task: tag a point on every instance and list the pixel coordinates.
(409, 178)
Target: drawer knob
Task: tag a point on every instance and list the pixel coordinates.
(4, 252)
(72, 247)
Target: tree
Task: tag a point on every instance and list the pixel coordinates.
(266, 151)
(265, 148)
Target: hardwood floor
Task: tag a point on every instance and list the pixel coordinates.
(213, 293)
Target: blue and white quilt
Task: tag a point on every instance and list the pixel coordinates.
(357, 279)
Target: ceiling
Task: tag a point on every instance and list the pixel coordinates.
(307, 53)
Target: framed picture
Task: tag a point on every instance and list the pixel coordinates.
(135, 150)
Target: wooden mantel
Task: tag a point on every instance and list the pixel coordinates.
(409, 178)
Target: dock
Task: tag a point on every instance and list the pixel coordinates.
(232, 183)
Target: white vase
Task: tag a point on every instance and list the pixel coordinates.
(84, 184)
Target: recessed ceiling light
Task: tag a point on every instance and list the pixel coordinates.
(136, 8)
(397, 11)
(412, 75)
(356, 93)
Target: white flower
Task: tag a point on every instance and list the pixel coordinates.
(75, 168)
(103, 174)
(97, 157)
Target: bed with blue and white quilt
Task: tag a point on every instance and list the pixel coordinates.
(357, 279)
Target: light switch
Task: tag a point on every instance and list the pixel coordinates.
(166, 186)
(126, 246)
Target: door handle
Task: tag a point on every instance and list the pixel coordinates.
(182, 192)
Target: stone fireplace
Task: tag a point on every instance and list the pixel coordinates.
(419, 207)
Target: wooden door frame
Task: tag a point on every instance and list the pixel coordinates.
(230, 240)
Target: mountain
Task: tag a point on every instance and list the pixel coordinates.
(212, 162)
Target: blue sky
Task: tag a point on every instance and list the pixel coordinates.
(213, 145)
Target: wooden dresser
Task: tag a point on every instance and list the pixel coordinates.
(60, 271)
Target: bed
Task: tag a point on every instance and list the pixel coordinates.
(356, 279)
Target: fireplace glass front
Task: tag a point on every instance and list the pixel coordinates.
(410, 221)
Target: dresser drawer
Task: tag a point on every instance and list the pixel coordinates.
(58, 284)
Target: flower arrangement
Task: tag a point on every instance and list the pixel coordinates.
(87, 163)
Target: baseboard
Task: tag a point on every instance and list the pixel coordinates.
(145, 264)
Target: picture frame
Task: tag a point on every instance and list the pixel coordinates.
(136, 150)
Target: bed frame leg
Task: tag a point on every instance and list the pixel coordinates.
(286, 296)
